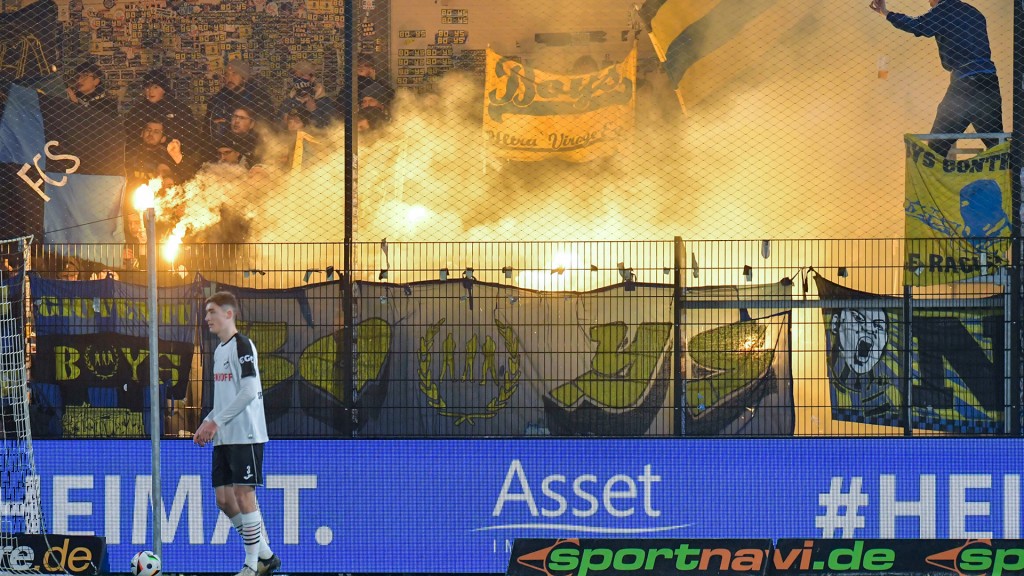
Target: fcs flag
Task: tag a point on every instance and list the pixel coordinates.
(62, 174)
(713, 40)
(532, 115)
(957, 214)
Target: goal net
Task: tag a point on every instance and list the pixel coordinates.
(20, 509)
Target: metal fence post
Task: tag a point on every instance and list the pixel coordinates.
(908, 385)
(1016, 144)
(351, 85)
(679, 426)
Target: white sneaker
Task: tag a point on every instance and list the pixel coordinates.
(246, 571)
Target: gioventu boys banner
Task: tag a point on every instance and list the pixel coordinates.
(957, 214)
(92, 351)
(532, 114)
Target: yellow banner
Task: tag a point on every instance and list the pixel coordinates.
(957, 214)
(534, 115)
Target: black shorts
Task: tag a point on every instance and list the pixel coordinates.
(240, 464)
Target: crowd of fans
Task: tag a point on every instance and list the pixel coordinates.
(165, 139)
(242, 124)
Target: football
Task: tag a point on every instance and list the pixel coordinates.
(145, 563)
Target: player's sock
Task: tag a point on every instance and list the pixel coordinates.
(236, 521)
(265, 551)
(250, 531)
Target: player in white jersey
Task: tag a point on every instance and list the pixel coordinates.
(238, 429)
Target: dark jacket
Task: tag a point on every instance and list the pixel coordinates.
(961, 33)
(320, 118)
(98, 100)
(177, 117)
(223, 104)
(143, 162)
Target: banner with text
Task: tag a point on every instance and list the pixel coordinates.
(640, 556)
(90, 368)
(957, 223)
(472, 498)
(532, 114)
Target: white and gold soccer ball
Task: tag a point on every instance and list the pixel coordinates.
(145, 563)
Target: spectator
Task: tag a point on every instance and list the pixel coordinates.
(70, 269)
(244, 133)
(584, 65)
(308, 93)
(375, 96)
(370, 119)
(156, 157)
(89, 90)
(232, 150)
(158, 102)
(239, 90)
(369, 86)
(135, 240)
(972, 98)
(296, 119)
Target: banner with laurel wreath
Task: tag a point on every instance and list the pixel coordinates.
(458, 361)
(476, 359)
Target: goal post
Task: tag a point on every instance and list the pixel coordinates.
(20, 506)
(25, 545)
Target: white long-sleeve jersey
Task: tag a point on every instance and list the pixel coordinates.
(237, 394)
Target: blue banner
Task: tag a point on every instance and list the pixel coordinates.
(64, 165)
(68, 308)
(457, 505)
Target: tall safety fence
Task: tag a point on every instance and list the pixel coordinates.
(614, 339)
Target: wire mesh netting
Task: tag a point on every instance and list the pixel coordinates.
(777, 337)
(463, 179)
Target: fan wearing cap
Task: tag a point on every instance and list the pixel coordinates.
(373, 92)
(240, 89)
(306, 93)
(157, 101)
(89, 90)
(296, 119)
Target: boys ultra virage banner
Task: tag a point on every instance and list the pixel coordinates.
(531, 114)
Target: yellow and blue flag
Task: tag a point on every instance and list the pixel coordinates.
(957, 214)
(686, 32)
